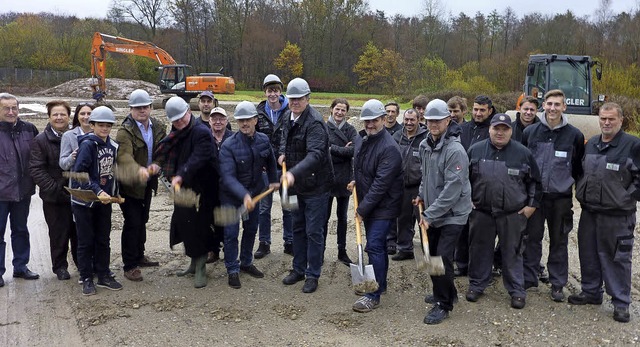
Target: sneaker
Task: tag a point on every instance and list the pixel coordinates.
(556, 294)
(109, 283)
(621, 314)
(365, 304)
(473, 296)
(234, 280)
(288, 248)
(518, 302)
(263, 249)
(430, 299)
(310, 285)
(88, 288)
(436, 315)
(582, 299)
(391, 250)
(402, 256)
(62, 274)
(292, 278)
(252, 270)
(133, 275)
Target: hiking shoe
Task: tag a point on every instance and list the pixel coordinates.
(288, 248)
(365, 304)
(436, 315)
(402, 256)
(391, 250)
(252, 270)
(263, 249)
(430, 299)
(292, 278)
(146, 262)
(109, 283)
(88, 288)
(518, 302)
(473, 296)
(621, 314)
(62, 274)
(582, 299)
(133, 275)
(234, 280)
(310, 285)
(556, 294)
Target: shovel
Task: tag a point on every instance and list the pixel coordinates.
(362, 276)
(185, 197)
(129, 175)
(78, 176)
(433, 265)
(227, 215)
(289, 203)
(90, 196)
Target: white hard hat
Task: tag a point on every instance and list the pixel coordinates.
(298, 88)
(245, 110)
(102, 114)
(436, 109)
(176, 108)
(139, 97)
(372, 109)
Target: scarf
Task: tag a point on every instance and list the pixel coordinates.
(167, 153)
(333, 121)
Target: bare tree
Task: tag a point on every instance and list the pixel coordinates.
(148, 14)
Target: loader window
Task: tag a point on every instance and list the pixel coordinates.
(571, 77)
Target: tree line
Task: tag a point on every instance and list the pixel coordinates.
(337, 45)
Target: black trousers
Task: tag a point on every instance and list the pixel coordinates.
(62, 232)
(93, 225)
(442, 242)
(134, 229)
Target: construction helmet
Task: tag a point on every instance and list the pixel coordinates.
(436, 109)
(139, 97)
(102, 114)
(372, 109)
(298, 88)
(272, 79)
(245, 110)
(176, 108)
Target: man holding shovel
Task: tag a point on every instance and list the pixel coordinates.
(446, 192)
(378, 181)
(242, 158)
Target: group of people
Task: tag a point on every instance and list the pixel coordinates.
(478, 179)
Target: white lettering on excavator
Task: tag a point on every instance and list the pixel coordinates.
(124, 50)
(575, 102)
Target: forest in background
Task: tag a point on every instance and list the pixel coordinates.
(337, 45)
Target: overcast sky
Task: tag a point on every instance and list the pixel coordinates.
(98, 8)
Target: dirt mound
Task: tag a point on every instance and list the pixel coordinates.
(118, 89)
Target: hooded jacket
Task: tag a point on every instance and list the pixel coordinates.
(266, 123)
(95, 157)
(45, 169)
(445, 187)
(410, 151)
(558, 153)
(16, 183)
(518, 127)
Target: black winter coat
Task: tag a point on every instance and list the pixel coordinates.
(410, 150)
(267, 127)
(473, 132)
(341, 156)
(44, 168)
(305, 145)
(16, 183)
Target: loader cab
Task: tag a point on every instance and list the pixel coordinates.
(569, 73)
(172, 77)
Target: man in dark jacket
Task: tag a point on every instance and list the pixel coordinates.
(305, 149)
(408, 139)
(608, 193)
(528, 115)
(242, 159)
(557, 147)
(391, 123)
(270, 122)
(186, 158)
(457, 106)
(472, 132)
(377, 167)
(505, 186)
(138, 138)
(56, 203)
(16, 185)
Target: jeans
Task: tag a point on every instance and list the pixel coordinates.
(341, 214)
(94, 227)
(134, 230)
(376, 249)
(231, 233)
(264, 233)
(308, 234)
(17, 213)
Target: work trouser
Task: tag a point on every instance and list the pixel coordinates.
(462, 249)
(308, 234)
(407, 220)
(442, 242)
(93, 226)
(134, 229)
(16, 213)
(559, 217)
(605, 247)
(483, 228)
(62, 232)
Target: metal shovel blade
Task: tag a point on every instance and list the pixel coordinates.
(363, 277)
(228, 215)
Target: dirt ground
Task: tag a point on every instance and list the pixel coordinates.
(168, 310)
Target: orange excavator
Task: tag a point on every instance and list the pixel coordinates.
(173, 78)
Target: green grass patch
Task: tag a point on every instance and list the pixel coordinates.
(319, 98)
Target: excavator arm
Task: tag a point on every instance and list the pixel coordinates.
(103, 43)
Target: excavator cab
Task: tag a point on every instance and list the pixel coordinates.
(173, 77)
(569, 73)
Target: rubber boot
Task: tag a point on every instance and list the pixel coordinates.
(190, 270)
(200, 278)
(343, 257)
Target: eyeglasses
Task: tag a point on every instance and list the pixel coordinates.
(8, 109)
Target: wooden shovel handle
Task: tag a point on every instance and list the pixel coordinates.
(261, 195)
(423, 231)
(285, 183)
(355, 208)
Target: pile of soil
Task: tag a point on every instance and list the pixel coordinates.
(117, 88)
